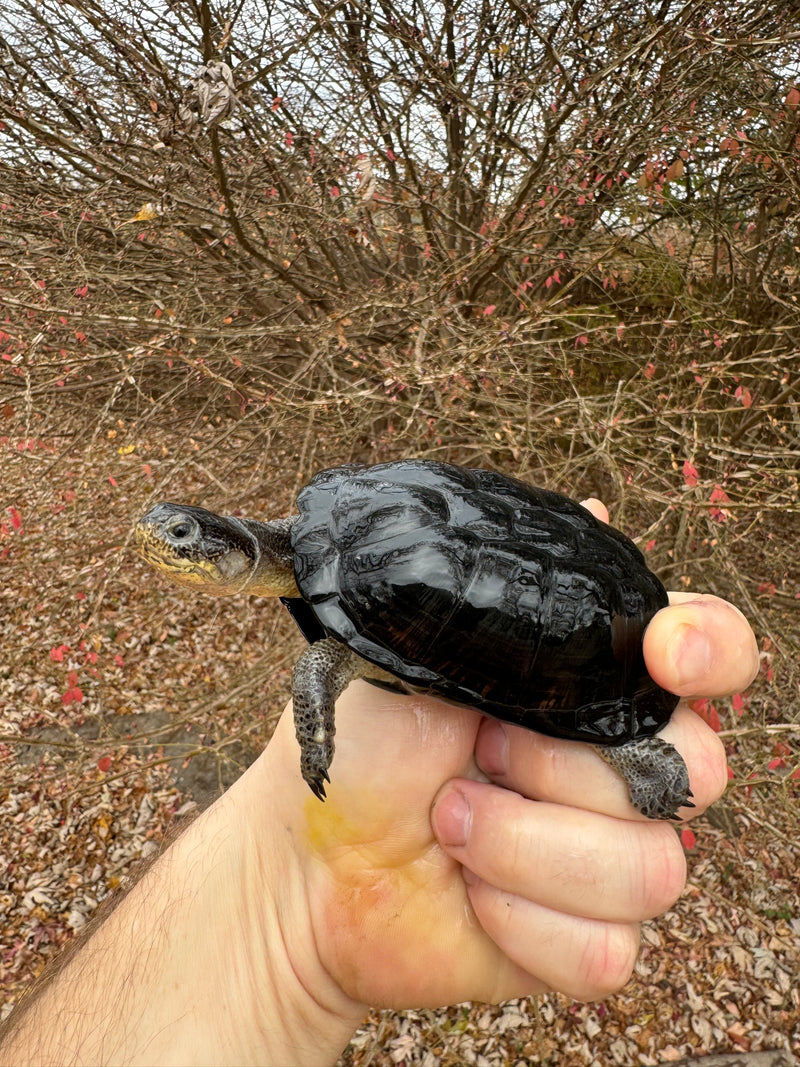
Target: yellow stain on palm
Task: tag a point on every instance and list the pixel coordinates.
(358, 829)
(389, 886)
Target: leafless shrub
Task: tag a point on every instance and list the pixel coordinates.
(559, 238)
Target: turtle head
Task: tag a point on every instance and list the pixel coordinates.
(210, 553)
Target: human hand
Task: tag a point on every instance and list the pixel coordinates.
(460, 858)
(456, 858)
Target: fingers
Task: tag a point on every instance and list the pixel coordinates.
(563, 858)
(567, 772)
(583, 958)
(700, 646)
(597, 508)
(540, 874)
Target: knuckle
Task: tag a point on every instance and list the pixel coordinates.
(607, 961)
(714, 769)
(661, 870)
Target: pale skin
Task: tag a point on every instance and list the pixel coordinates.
(456, 858)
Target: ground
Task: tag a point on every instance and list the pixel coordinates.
(125, 704)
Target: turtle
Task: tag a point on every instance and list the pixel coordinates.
(466, 583)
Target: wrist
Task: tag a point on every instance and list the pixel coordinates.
(296, 1012)
(209, 958)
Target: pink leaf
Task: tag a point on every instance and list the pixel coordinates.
(690, 475)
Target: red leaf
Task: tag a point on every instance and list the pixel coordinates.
(775, 763)
(650, 545)
(489, 309)
(688, 838)
(120, 662)
(792, 98)
(57, 654)
(16, 518)
(112, 480)
(719, 496)
(84, 289)
(738, 703)
(104, 763)
(649, 370)
(707, 711)
(690, 475)
(289, 138)
(743, 393)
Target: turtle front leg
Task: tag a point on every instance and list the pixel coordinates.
(322, 673)
(655, 775)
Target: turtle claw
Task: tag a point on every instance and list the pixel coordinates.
(314, 780)
(318, 789)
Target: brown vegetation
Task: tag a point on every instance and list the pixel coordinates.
(238, 245)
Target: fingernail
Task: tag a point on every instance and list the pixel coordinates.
(690, 652)
(452, 819)
(492, 748)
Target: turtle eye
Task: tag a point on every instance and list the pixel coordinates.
(182, 529)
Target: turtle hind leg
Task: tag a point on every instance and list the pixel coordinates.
(321, 674)
(655, 774)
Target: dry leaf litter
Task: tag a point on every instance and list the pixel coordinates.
(124, 706)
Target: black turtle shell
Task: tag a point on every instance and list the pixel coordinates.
(485, 591)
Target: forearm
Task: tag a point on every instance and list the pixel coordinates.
(193, 965)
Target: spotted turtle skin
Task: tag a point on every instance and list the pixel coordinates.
(485, 591)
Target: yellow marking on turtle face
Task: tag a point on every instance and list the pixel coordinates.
(199, 573)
